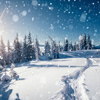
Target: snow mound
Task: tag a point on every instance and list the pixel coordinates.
(5, 78)
(13, 73)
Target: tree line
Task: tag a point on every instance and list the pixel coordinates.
(29, 50)
(26, 51)
(84, 43)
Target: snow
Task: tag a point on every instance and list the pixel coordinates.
(5, 78)
(92, 79)
(15, 18)
(24, 13)
(34, 2)
(50, 8)
(52, 27)
(32, 18)
(83, 17)
(71, 27)
(75, 76)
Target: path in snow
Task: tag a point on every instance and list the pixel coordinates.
(92, 80)
(74, 88)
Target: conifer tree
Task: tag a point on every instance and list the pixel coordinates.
(9, 53)
(59, 47)
(89, 45)
(70, 47)
(65, 47)
(47, 49)
(37, 50)
(2, 52)
(74, 47)
(17, 50)
(77, 46)
(55, 50)
(24, 51)
(81, 43)
(84, 42)
(30, 49)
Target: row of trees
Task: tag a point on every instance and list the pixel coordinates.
(19, 52)
(26, 51)
(84, 43)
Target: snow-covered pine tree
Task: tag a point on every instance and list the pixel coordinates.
(47, 49)
(81, 42)
(30, 49)
(70, 47)
(84, 42)
(77, 46)
(59, 47)
(65, 47)
(74, 47)
(89, 45)
(2, 52)
(9, 53)
(24, 51)
(55, 50)
(37, 50)
(17, 51)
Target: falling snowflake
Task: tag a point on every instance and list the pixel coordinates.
(96, 30)
(24, 13)
(51, 8)
(46, 4)
(87, 27)
(15, 18)
(34, 2)
(32, 18)
(51, 27)
(83, 17)
(70, 27)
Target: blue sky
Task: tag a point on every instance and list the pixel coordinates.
(56, 18)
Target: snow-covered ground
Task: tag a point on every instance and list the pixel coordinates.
(92, 80)
(75, 76)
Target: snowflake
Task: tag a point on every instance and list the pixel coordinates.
(24, 13)
(32, 18)
(51, 8)
(51, 27)
(34, 2)
(15, 18)
(83, 17)
(95, 30)
(70, 27)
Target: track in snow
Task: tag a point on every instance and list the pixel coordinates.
(74, 88)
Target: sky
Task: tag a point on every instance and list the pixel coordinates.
(55, 18)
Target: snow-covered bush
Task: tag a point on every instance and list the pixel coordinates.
(12, 72)
(5, 78)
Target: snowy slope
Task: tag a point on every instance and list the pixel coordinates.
(67, 78)
(92, 80)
